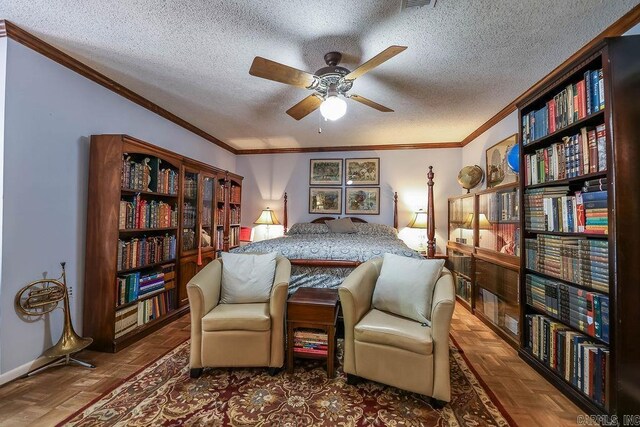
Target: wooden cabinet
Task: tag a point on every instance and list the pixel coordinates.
(152, 223)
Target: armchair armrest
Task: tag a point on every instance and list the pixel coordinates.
(355, 297)
(204, 293)
(441, 312)
(277, 309)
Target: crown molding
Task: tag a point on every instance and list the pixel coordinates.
(416, 146)
(9, 29)
(618, 28)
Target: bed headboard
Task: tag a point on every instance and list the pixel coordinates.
(329, 218)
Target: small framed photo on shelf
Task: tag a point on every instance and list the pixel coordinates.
(362, 201)
(325, 200)
(362, 171)
(498, 171)
(325, 172)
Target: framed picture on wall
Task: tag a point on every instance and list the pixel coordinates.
(325, 172)
(498, 171)
(362, 171)
(362, 201)
(325, 200)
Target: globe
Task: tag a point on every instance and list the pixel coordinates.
(470, 176)
(513, 158)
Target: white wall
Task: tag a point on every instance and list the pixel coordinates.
(50, 114)
(267, 177)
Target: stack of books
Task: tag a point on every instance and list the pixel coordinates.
(133, 286)
(596, 212)
(126, 320)
(310, 342)
(574, 259)
(586, 311)
(574, 356)
(576, 155)
(575, 102)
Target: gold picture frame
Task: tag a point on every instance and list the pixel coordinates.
(362, 171)
(362, 201)
(325, 200)
(497, 171)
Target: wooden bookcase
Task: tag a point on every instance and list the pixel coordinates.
(132, 210)
(484, 231)
(619, 60)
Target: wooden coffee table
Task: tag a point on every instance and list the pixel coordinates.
(317, 309)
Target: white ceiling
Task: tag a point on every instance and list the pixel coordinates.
(465, 60)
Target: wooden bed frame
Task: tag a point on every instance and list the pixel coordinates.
(331, 263)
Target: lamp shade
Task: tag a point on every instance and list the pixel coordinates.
(267, 217)
(468, 222)
(419, 220)
(483, 222)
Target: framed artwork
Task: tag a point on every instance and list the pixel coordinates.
(325, 200)
(498, 172)
(325, 172)
(362, 201)
(362, 171)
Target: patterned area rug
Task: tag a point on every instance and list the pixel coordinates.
(162, 394)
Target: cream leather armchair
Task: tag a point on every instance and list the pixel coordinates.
(236, 335)
(394, 350)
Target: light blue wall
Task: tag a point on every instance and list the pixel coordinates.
(50, 114)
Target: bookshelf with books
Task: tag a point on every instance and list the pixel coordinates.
(142, 200)
(579, 231)
(460, 245)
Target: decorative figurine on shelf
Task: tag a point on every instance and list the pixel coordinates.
(147, 173)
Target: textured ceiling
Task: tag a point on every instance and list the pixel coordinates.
(465, 60)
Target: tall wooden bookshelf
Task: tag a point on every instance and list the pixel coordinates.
(570, 273)
(151, 226)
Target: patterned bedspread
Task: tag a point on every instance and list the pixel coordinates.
(371, 241)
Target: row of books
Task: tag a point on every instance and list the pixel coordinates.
(220, 192)
(576, 155)
(219, 239)
(220, 218)
(585, 311)
(501, 206)
(310, 342)
(141, 251)
(575, 259)
(234, 236)
(461, 264)
(554, 209)
(234, 194)
(141, 213)
(573, 355)
(189, 215)
(206, 215)
(575, 102)
(190, 187)
(148, 175)
(235, 215)
(463, 287)
(132, 317)
(133, 286)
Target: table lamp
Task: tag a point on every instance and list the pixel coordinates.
(419, 221)
(267, 217)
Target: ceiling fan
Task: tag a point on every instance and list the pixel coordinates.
(329, 84)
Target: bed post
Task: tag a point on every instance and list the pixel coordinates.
(431, 222)
(286, 215)
(395, 210)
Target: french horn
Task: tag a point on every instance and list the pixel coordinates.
(43, 296)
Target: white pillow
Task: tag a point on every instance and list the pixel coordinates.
(405, 286)
(247, 278)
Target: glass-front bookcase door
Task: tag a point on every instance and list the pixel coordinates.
(461, 220)
(499, 220)
(207, 233)
(190, 211)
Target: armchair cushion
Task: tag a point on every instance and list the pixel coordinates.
(237, 317)
(405, 286)
(378, 327)
(247, 278)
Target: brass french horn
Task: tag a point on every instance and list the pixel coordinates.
(43, 296)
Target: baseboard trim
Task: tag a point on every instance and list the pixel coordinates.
(23, 369)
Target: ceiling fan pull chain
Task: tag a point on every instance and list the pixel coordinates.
(319, 123)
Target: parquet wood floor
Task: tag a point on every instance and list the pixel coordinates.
(51, 396)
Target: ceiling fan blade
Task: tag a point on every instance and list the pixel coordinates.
(305, 107)
(370, 103)
(383, 56)
(271, 70)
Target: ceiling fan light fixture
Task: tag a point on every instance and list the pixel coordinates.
(333, 108)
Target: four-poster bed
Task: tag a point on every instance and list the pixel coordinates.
(320, 258)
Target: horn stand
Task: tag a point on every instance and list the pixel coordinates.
(70, 342)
